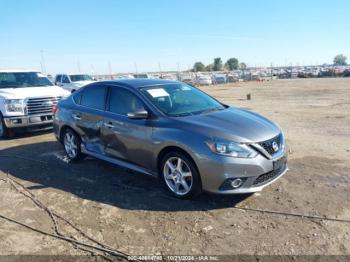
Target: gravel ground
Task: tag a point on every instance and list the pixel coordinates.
(132, 213)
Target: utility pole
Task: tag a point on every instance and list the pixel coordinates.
(78, 64)
(43, 67)
(110, 68)
(92, 69)
(136, 67)
(271, 70)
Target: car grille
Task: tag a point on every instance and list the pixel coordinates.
(269, 176)
(267, 145)
(42, 105)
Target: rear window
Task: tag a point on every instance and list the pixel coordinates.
(77, 97)
(94, 97)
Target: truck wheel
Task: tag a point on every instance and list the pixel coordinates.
(4, 133)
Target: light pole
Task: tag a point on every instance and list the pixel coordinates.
(43, 67)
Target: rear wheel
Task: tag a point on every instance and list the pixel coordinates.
(180, 175)
(72, 145)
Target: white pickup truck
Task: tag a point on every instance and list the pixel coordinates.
(72, 82)
(27, 99)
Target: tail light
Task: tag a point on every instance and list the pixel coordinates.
(54, 109)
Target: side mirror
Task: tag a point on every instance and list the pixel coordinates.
(141, 114)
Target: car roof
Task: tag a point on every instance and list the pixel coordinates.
(139, 83)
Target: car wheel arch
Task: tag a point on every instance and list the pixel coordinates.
(178, 149)
(64, 129)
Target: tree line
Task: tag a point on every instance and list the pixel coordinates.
(234, 64)
(217, 65)
(340, 60)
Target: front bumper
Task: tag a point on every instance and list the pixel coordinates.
(28, 121)
(256, 173)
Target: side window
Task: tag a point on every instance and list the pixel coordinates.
(65, 79)
(77, 97)
(58, 78)
(94, 97)
(122, 101)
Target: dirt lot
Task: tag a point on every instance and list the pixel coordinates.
(133, 214)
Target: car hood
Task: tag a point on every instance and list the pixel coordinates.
(232, 124)
(31, 92)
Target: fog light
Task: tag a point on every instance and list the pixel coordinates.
(236, 183)
(16, 121)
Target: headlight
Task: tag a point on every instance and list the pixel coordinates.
(232, 149)
(14, 105)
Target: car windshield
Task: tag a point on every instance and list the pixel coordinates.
(140, 76)
(75, 78)
(23, 79)
(181, 99)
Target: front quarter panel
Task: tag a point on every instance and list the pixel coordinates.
(165, 135)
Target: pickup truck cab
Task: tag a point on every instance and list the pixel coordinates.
(73, 82)
(27, 99)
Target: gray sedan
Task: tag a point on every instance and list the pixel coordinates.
(173, 131)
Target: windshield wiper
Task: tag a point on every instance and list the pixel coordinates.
(181, 114)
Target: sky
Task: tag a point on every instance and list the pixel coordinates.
(103, 36)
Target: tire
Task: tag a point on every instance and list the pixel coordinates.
(72, 145)
(180, 176)
(4, 132)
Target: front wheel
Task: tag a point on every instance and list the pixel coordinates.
(180, 175)
(72, 143)
(4, 132)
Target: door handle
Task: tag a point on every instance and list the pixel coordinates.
(76, 117)
(109, 125)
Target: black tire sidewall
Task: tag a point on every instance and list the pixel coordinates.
(5, 130)
(196, 188)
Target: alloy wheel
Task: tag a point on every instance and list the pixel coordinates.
(178, 176)
(70, 145)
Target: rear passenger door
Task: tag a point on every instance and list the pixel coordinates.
(124, 138)
(88, 116)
